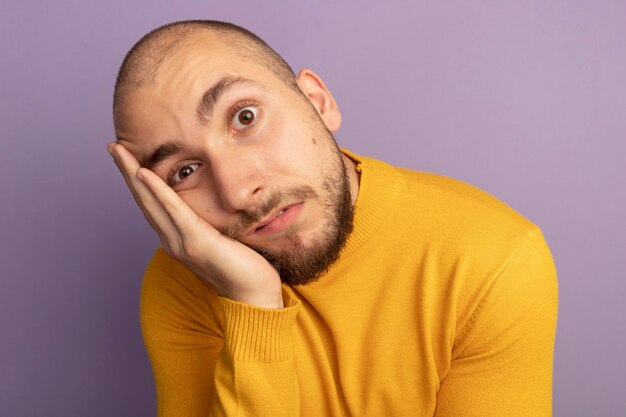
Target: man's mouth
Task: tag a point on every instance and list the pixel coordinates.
(280, 219)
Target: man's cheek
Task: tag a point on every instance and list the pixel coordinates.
(203, 204)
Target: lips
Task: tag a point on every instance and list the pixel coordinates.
(278, 220)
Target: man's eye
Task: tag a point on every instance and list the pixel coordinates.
(183, 172)
(244, 117)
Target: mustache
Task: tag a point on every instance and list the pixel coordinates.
(254, 214)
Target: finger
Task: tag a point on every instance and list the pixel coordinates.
(128, 165)
(184, 218)
(152, 209)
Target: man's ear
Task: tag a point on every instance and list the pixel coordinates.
(314, 89)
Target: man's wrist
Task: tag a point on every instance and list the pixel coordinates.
(270, 299)
(259, 334)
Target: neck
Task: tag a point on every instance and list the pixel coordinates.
(353, 177)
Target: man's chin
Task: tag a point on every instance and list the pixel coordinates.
(294, 269)
(301, 263)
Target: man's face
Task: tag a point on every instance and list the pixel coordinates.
(255, 159)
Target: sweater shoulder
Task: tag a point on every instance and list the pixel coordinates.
(463, 195)
(461, 212)
(464, 233)
(440, 213)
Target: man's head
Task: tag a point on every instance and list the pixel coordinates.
(143, 61)
(220, 117)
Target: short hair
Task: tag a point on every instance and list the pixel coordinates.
(142, 62)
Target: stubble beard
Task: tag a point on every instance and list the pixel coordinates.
(301, 263)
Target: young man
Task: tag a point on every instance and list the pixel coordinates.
(298, 279)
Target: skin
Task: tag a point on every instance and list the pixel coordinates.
(236, 168)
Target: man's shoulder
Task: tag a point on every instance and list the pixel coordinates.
(440, 210)
(466, 237)
(459, 197)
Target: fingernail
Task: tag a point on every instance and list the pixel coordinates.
(110, 147)
(114, 152)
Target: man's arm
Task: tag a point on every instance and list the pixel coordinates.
(234, 270)
(209, 355)
(502, 359)
(237, 360)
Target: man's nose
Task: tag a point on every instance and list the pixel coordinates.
(240, 181)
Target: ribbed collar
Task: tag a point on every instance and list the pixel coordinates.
(380, 187)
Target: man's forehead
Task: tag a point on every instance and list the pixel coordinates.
(200, 62)
(147, 116)
(210, 46)
(200, 66)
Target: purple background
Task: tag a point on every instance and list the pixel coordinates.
(525, 99)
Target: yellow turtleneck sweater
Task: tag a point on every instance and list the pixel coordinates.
(443, 303)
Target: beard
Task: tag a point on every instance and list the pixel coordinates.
(301, 263)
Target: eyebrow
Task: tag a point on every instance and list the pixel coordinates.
(159, 154)
(212, 96)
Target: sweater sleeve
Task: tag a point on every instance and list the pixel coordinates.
(502, 357)
(212, 356)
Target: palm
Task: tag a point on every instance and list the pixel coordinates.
(233, 269)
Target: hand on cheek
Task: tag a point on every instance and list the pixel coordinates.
(234, 270)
